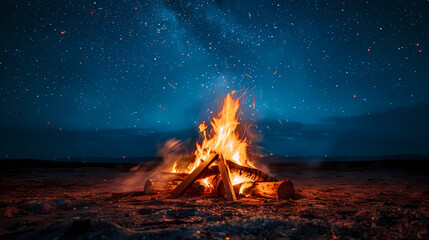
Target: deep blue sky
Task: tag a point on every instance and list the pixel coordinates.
(322, 73)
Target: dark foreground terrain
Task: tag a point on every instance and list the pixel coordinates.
(347, 200)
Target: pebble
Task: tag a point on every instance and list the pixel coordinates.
(227, 213)
(222, 234)
(423, 235)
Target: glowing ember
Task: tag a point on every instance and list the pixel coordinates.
(237, 179)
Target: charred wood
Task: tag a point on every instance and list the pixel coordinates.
(183, 186)
(155, 186)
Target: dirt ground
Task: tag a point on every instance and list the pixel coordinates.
(336, 200)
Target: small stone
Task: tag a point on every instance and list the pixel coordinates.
(227, 213)
(373, 225)
(222, 234)
(423, 235)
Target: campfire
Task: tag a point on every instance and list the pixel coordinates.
(219, 165)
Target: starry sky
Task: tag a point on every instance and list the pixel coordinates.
(117, 78)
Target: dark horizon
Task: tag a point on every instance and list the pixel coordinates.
(379, 134)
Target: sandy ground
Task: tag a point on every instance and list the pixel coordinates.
(372, 200)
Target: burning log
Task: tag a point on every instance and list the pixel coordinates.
(226, 179)
(281, 189)
(247, 172)
(173, 176)
(179, 190)
(154, 186)
(250, 173)
(181, 176)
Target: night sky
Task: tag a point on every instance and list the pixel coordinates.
(118, 78)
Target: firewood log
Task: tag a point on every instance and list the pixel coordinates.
(181, 176)
(153, 186)
(281, 189)
(248, 172)
(226, 179)
(172, 176)
(183, 186)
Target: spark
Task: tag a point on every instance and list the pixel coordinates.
(172, 85)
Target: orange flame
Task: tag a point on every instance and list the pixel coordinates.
(223, 139)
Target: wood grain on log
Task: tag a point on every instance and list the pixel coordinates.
(281, 189)
(153, 186)
(226, 179)
(249, 172)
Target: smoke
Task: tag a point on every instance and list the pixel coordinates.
(171, 151)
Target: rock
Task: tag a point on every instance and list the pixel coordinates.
(423, 235)
(222, 234)
(227, 213)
